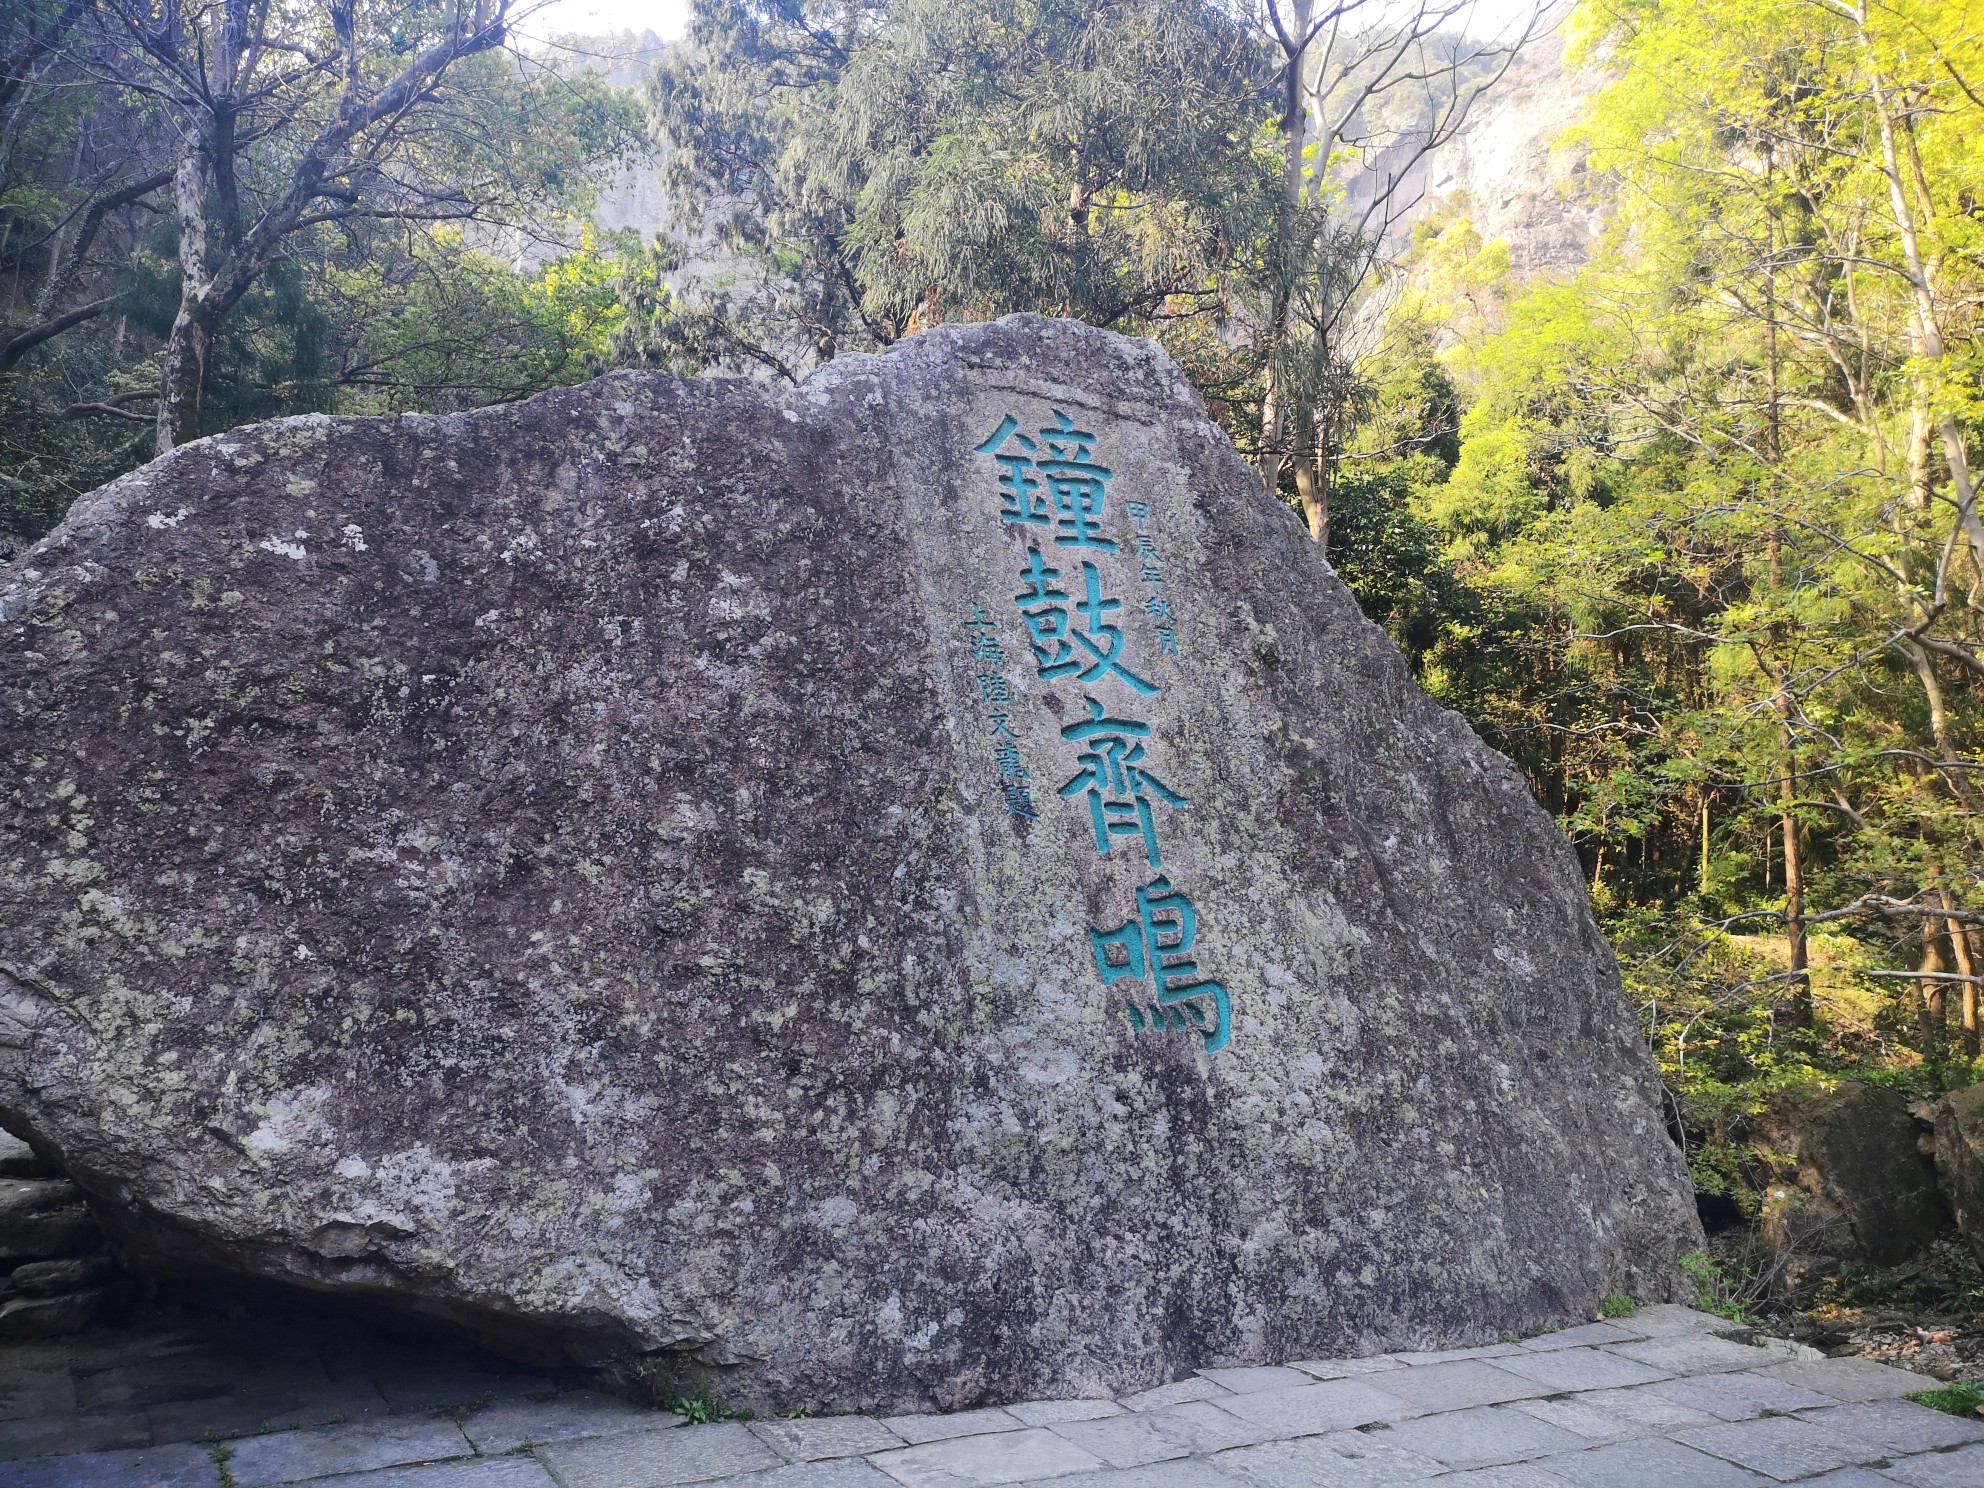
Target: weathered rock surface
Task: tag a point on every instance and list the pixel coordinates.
(552, 867)
(50, 1282)
(43, 1217)
(1960, 1160)
(48, 1317)
(18, 1160)
(1859, 1161)
(1513, 174)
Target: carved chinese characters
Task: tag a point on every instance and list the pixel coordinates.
(1053, 481)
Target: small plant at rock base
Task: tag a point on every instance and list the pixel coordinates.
(461, 1410)
(1618, 1305)
(1716, 1290)
(1960, 1398)
(222, 1454)
(700, 1407)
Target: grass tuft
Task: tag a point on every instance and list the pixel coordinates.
(1959, 1399)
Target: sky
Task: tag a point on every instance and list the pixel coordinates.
(666, 18)
(670, 18)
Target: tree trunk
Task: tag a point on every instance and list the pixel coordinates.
(1794, 893)
(1959, 939)
(1294, 123)
(179, 390)
(1268, 459)
(1931, 989)
(1701, 883)
(1313, 482)
(1926, 331)
(1787, 795)
(186, 346)
(1312, 477)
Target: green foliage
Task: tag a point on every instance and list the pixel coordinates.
(1680, 560)
(699, 1407)
(1618, 1305)
(1959, 1398)
(388, 294)
(869, 171)
(1721, 1288)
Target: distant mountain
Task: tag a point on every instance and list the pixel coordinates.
(633, 198)
(1511, 179)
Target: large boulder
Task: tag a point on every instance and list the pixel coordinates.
(1865, 1190)
(912, 889)
(1960, 1160)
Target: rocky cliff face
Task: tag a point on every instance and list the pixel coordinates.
(917, 889)
(1508, 173)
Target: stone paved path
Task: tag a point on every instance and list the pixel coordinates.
(1653, 1401)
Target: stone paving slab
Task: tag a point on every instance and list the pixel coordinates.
(1130, 1440)
(1580, 1369)
(1517, 1475)
(1333, 1405)
(477, 1472)
(1693, 1353)
(1204, 1428)
(1485, 1436)
(1670, 1319)
(1571, 1410)
(1653, 1463)
(835, 1436)
(843, 1473)
(178, 1466)
(1329, 1369)
(1351, 1459)
(1587, 1335)
(653, 1459)
(1447, 1356)
(1784, 1447)
(1253, 1381)
(1027, 1456)
(1047, 1412)
(504, 1425)
(296, 1456)
(1178, 1393)
(1456, 1385)
(1901, 1425)
(1738, 1397)
(1614, 1415)
(1849, 1379)
(918, 1429)
(1963, 1468)
(1194, 1474)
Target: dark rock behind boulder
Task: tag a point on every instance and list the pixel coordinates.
(1866, 1190)
(1960, 1161)
(551, 867)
